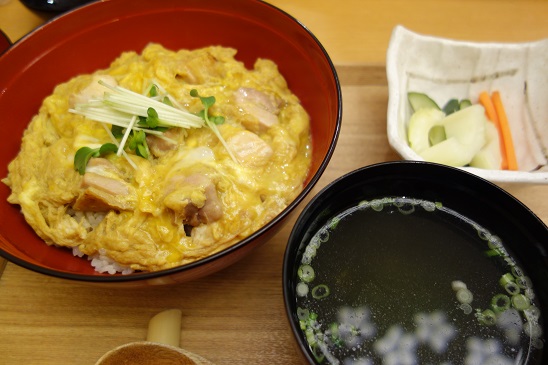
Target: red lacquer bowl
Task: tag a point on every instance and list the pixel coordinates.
(4, 42)
(90, 37)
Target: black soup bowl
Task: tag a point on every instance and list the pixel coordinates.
(413, 262)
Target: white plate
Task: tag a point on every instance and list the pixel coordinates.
(445, 69)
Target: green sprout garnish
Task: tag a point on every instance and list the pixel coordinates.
(84, 154)
(132, 116)
(137, 142)
(151, 120)
(153, 91)
(207, 102)
(212, 121)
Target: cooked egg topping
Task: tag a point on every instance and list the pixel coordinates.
(197, 190)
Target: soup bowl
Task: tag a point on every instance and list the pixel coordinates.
(415, 262)
(92, 36)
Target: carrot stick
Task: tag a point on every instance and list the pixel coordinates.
(490, 111)
(506, 133)
(491, 114)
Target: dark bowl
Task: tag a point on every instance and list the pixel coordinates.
(386, 258)
(90, 37)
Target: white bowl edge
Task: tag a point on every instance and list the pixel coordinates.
(398, 110)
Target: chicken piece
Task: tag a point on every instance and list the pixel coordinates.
(202, 236)
(194, 199)
(102, 166)
(104, 189)
(262, 108)
(250, 149)
(106, 184)
(160, 145)
(93, 91)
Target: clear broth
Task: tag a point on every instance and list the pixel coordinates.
(379, 283)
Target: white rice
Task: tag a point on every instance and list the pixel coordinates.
(89, 220)
(103, 263)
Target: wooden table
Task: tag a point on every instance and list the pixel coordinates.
(236, 316)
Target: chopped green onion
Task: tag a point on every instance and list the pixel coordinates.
(520, 302)
(524, 282)
(532, 313)
(482, 233)
(487, 317)
(494, 242)
(464, 296)
(377, 205)
(302, 313)
(505, 279)
(507, 282)
(310, 336)
(306, 273)
(334, 222)
(500, 303)
(516, 271)
(323, 235)
(317, 352)
(457, 285)
(512, 288)
(532, 329)
(334, 330)
(321, 291)
(529, 293)
(428, 206)
(466, 308)
(406, 210)
(302, 289)
(492, 253)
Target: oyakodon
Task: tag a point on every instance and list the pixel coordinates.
(189, 192)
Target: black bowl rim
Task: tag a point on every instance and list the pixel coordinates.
(294, 237)
(263, 230)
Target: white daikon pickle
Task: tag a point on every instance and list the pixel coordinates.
(419, 127)
(489, 157)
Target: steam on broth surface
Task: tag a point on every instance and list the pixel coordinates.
(408, 281)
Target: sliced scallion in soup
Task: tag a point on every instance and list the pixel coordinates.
(409, 281)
